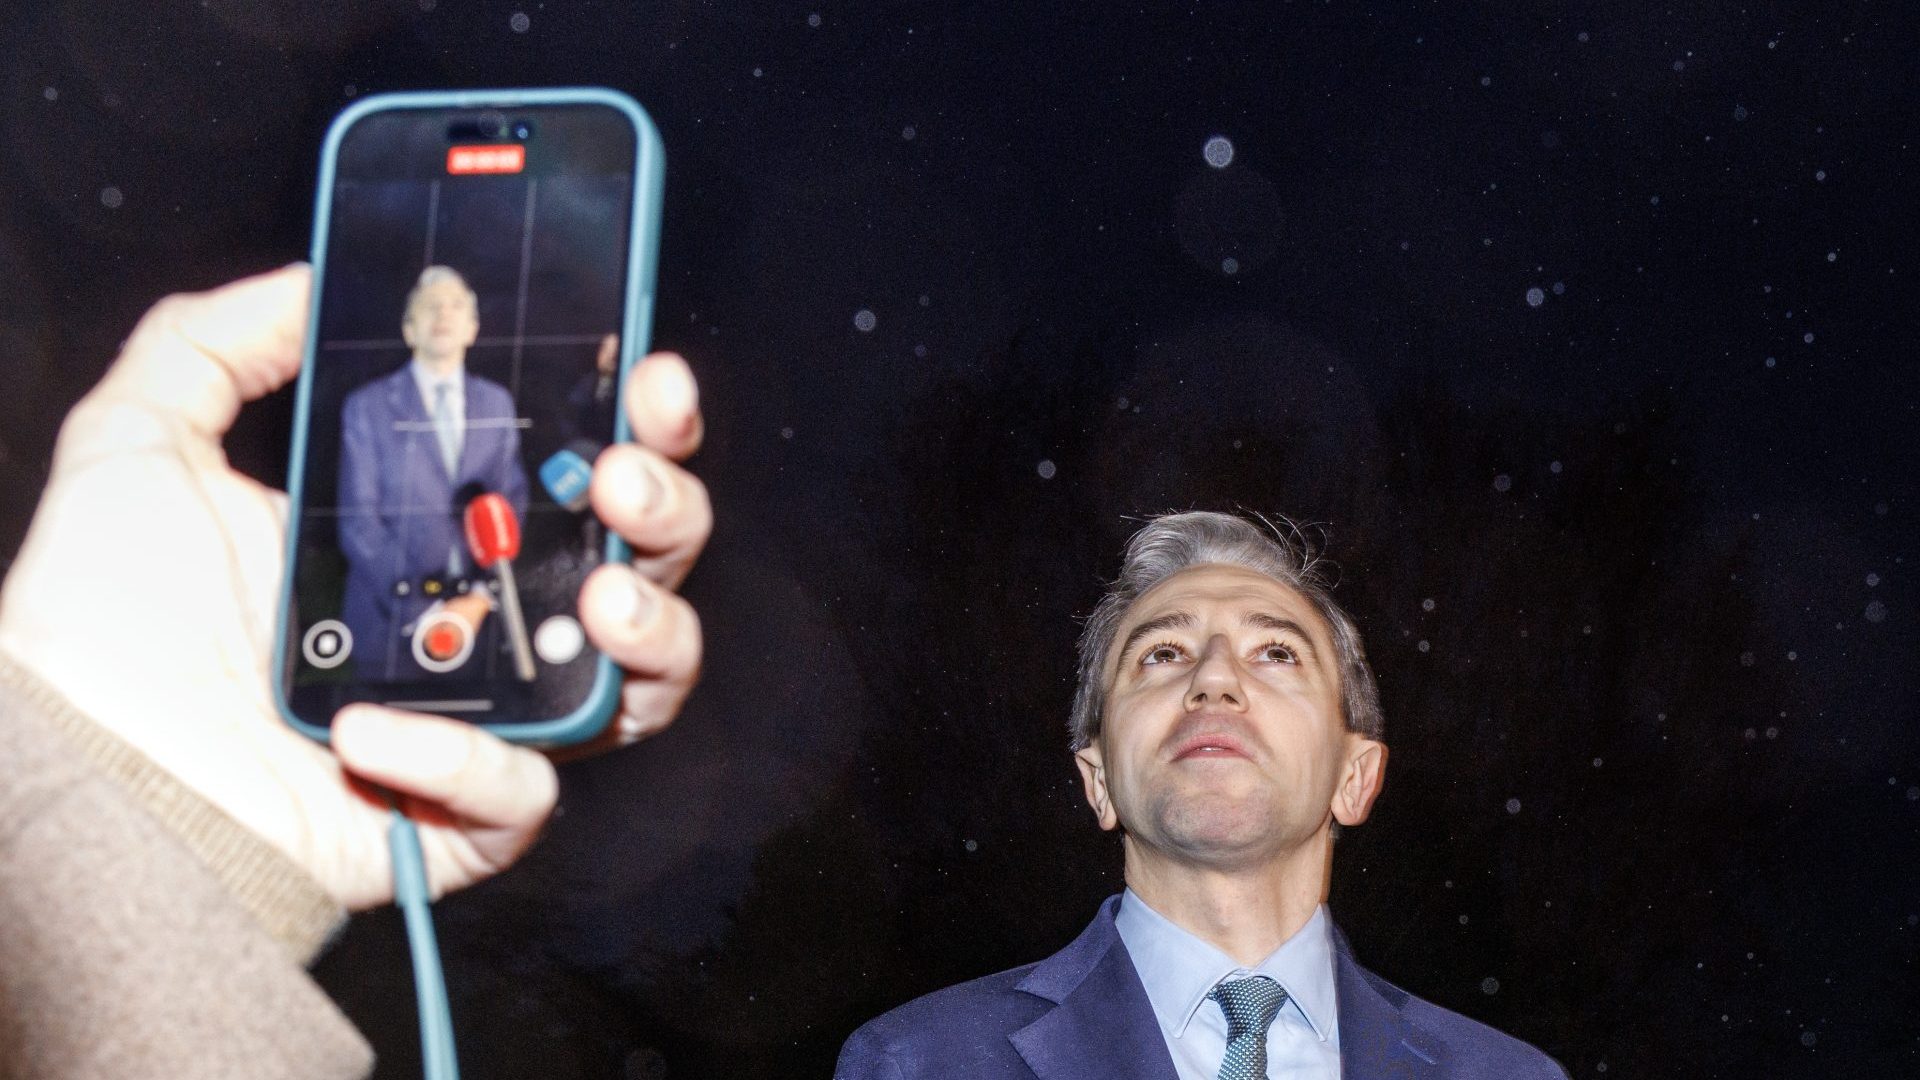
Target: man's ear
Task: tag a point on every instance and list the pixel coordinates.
(1366, 772)
(1093, 779)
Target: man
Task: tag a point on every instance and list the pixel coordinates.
(414, 446)
(172, 852)
(1225, 721)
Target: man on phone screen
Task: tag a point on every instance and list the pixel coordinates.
(415, 445)
(1226, 723)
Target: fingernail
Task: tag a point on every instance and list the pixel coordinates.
(631, 603)
(675, 391)
(647, 492)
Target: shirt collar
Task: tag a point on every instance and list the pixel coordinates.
(1179, 969)
(424, 377)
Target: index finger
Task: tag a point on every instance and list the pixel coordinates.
(197, 357)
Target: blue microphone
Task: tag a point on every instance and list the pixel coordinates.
(569, 473)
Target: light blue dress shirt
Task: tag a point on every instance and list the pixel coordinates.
(1179, 970)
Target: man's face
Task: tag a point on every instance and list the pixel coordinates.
(441, 323)
(1223, 742)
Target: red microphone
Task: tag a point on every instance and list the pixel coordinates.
(493, 538)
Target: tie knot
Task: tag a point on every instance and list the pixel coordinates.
(1250, 1003)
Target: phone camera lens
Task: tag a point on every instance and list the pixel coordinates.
(492, 125)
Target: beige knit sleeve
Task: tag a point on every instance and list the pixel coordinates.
(142, 931)
(287, 902)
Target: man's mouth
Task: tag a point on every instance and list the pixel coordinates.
(1214, 745)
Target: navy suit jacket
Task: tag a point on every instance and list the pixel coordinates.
(1083, 1014)
(398, 515)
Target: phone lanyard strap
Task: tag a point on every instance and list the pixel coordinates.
(429, 984)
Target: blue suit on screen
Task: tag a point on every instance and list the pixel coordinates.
(1083, 1014)
(398, 515)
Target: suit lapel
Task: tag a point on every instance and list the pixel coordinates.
(403, 396)
(1376, 1041)
(484, 438)
(1102, 1025)
(466, 435)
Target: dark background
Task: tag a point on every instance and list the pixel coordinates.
(1630, 561)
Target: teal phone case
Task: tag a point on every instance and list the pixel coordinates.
(649, 173)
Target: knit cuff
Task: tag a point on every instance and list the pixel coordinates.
(282, 897)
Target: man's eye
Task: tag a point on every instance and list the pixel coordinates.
(1161, 654)
(1279, 654)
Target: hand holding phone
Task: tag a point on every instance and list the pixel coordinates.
(179, 663)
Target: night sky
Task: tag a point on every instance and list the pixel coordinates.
(1584, 343)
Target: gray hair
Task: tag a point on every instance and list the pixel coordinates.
(434, 275)
(1171, 543)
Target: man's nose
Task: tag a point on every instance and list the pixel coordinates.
(1216, 677)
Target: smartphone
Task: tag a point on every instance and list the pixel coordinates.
(484, 268)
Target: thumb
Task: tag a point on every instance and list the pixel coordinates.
(478, 778)
(195, 357)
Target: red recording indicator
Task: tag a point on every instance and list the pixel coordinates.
(469, 160)
(443, 642)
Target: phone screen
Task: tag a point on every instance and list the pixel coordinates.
(465, 372)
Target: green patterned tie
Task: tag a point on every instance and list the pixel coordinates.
(1250, 1005)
